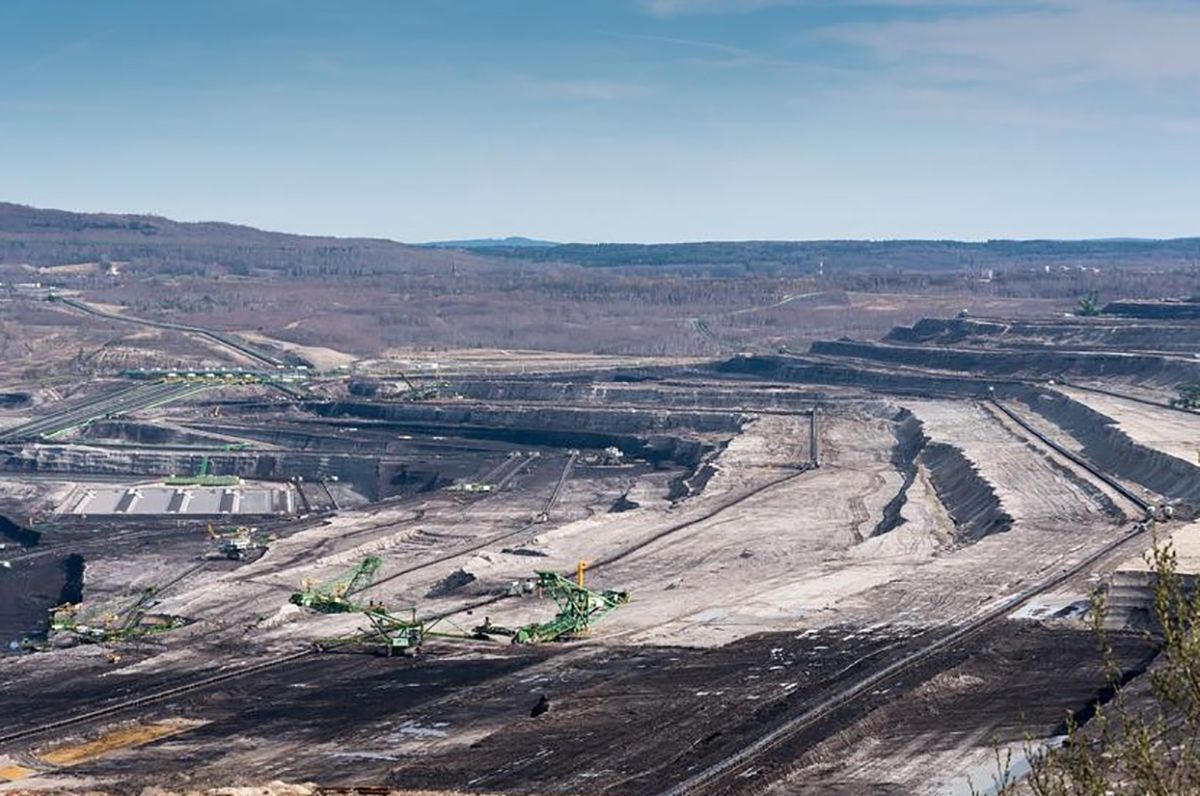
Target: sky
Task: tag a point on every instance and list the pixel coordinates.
(611, 120)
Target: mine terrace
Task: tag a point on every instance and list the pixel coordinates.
(834, 568)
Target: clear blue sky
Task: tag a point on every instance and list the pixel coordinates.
(594, 120)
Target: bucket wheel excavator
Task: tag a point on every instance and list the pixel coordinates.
(339, 596)
(579, 609)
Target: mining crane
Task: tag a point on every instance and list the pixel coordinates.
(335, 596)
(239, 544)
(416, 393)
(390, 634)
(579, 608)
(74, 621)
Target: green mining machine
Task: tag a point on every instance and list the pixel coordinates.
(390, 634)
(241, 543)
(203, 477)
(579, 608)
(111, 622)
(337, 596)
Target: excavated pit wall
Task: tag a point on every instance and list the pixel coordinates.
(32, 585)
(969, 498)
(1113, 451)
(377, 471)
(910, 441)
(1046, 363)
(802, 370)
(674, 395)
(409, 440)
(944, 330)
(641, 434)
(598, 420)
(1103, 444)
(145, 434)
(1092, 332)
(1171, 310)
(12, 534)
(1129, 598)
(656, 449)
(366, 474)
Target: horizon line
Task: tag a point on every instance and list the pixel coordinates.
(552, 243)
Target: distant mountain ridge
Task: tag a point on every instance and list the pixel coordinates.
(848, 255)
(23, 219)
(511, 242)
(155, 244)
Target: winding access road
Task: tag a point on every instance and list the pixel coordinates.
(222, 339)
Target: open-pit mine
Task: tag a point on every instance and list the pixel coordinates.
(865, 568)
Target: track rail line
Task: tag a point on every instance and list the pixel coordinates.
(600, 563)
(220, 338)
(33, 428)
(1116, 485)
(708, 515)
(48, 545)
(156, 696)
(451, 555)
(67, 406)
(291, 658)
(743, 758)
(558, 487)
(719, 772)
(122, 402)
(675, 528)
(1125, 397)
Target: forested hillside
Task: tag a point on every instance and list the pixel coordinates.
(846, 255)
(368, 296)
(159, 245)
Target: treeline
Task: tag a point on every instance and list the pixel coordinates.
(811, 256)
(153, 245)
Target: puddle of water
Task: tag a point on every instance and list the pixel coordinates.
(983, 779)
(1061, 606)
(410, 730)
(367, 755)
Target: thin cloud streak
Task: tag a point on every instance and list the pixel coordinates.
(1074, 63)
(61, 53)
(719, 55)
(1098, 40)
(599, 90)
(672, 8)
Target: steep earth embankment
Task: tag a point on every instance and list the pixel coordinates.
(969, 499)
(1110, 449)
